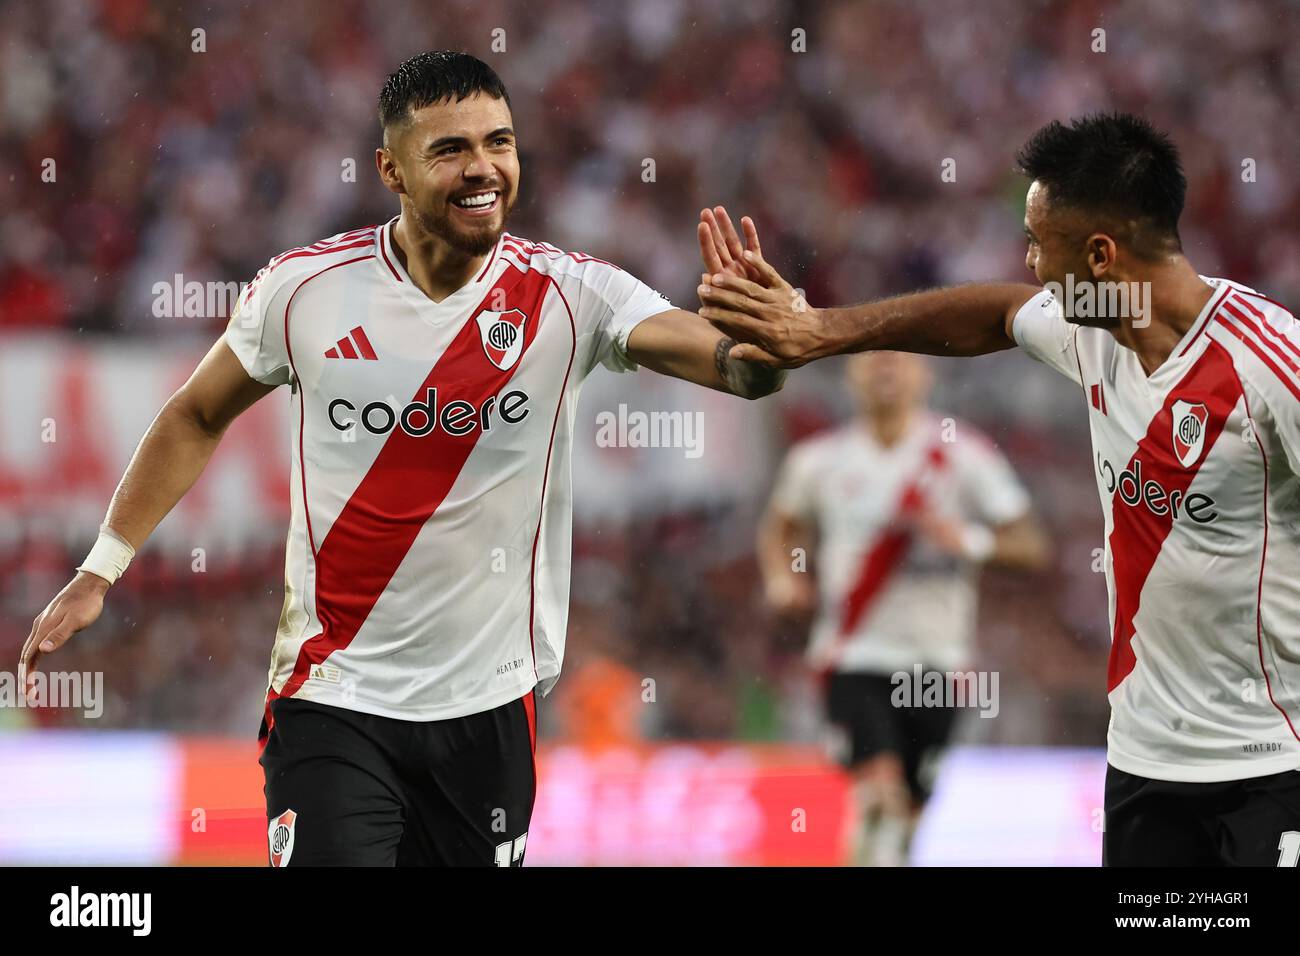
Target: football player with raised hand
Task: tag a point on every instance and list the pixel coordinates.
(1192, 390)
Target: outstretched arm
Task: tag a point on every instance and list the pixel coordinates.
(169, 459)
(684, 345)
(777, 326)
(180, 441)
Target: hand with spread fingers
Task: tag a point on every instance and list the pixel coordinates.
(720, 246)
(746, 299)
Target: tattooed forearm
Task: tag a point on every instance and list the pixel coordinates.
(746, 379)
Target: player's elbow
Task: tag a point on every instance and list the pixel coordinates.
(183, 412)
(760, 383)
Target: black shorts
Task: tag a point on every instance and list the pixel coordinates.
(345, 788)
(1251, 822)
(861, 705)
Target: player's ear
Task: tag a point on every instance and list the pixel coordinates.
(389, 174)
(1101, 254)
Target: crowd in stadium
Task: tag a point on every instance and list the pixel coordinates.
(128, 156)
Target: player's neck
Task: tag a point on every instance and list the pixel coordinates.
(887, 426)
(1173, 297)
(436, 268)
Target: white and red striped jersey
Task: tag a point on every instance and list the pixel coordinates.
(889, 599)
(1196, 467)
(427, 565)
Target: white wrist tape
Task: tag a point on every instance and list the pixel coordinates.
(109, 557)
(978, 542)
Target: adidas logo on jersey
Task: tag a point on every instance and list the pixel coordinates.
(353, 345)
(419, 418)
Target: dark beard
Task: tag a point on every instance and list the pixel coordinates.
(478, 243)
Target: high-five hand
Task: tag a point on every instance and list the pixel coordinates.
(772, 320)
(720, 246)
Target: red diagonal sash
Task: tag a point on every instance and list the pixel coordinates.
(407, 482)
(887, 554)
(1137, 532)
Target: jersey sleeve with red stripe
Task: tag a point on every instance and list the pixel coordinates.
(1265, 340)
(607, 303)
(1041, 330)
(255, 332)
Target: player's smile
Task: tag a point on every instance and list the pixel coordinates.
(478, 205)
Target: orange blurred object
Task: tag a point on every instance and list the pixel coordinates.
(601, 705)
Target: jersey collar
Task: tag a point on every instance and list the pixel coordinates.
(390, 266)
(1188, 346)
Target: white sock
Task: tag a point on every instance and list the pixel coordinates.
(882, 835)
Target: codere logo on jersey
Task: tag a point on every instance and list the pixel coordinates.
(1133, 490)
(419, 418)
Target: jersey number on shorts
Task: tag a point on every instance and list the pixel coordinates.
(1289, 845)
(509, 854)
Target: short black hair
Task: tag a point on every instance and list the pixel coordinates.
(1113, 164)
(432, 77)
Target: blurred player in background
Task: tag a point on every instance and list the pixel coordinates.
(434, 364)
(1192, 385)
(900, 508)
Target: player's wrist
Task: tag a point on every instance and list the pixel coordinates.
(977, 542)
(90, 581)
(108, 558)
(833, 333)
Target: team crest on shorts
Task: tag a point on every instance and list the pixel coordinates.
(1190, 419)
(503, 337)
(280, 837)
